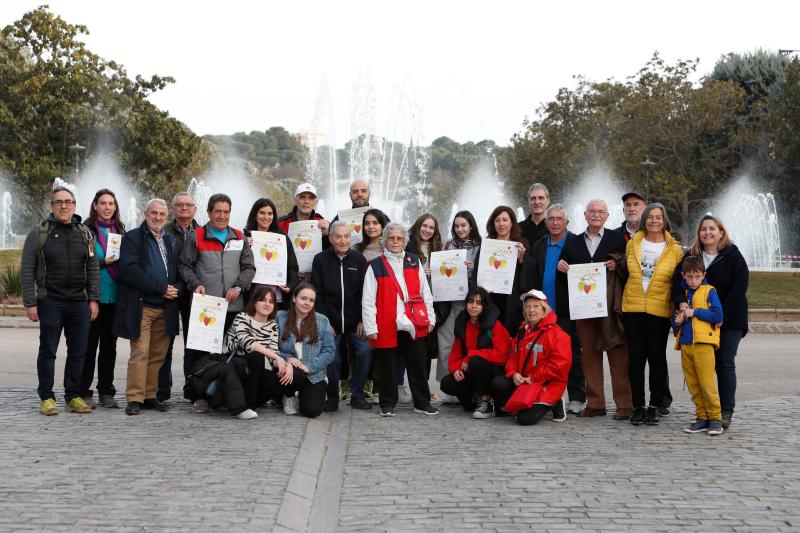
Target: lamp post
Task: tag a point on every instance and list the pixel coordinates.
(76, 150)
(648, 170)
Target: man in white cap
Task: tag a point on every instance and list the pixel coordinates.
(305, 201)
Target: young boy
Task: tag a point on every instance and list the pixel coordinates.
(697, 336)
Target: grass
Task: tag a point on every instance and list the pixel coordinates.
(774, 290)
(10, 257)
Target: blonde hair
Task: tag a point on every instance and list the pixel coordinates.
(696, 248)
(543, 303)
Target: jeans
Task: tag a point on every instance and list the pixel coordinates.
(360, 371)
(73, 318)
(725, 359)
(100, 334)
(165, 373)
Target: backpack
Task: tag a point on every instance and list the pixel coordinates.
(44, 234)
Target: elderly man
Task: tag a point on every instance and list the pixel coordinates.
(338, 275)
(533, 228)
(633, 204)
(60, 289)
(148, 304)
(394, 328)
(183, 222)
(541, 271)
(599, 245)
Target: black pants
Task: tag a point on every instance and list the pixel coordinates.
(414, 353)
(477, 382)
(165, 373)
(647, 336)
(100, 335)
(725, 358)
(576, 384)
(311, 395)
(503, 388)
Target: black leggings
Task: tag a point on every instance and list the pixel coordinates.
(647, 335)
(477, 382)
(312, 395)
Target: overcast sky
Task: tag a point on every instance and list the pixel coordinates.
(468, 70)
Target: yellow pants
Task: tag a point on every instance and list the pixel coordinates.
(698, 371)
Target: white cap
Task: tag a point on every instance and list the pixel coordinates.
(533, 293)
(305, 187)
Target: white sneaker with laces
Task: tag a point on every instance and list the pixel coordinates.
(247, 414)
(290, 405)
(575, 407)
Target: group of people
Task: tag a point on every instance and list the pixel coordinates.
(367, 310)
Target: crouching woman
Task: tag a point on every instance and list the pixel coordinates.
(537, 370)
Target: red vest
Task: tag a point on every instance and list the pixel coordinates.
(386, 299)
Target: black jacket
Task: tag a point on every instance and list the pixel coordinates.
(576, 253)
(531, 231)
(174, 229)
(135, 282)
(533, 275)
(340, 283)
(729, 275)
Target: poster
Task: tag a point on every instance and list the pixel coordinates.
(113, 244)
(207, 323)
(354, 218)
(449, 281)
(497, 266)
(587, 291)
(306, 238)
(269, 252)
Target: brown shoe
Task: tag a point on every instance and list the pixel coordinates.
(591, 411)
(622, 414)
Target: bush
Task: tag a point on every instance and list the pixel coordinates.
(10, 281)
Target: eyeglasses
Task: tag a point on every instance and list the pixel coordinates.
(183, 206)
(531, 307)
(596, 212)
(63, 203)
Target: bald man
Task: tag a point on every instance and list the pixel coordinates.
(359, 193)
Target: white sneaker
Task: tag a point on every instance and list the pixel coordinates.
(449, 399)
(575, 407)
(290, 405)
(247, 414)
(403, 395)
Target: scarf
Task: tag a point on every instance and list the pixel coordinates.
(463, 244)
(102, 240)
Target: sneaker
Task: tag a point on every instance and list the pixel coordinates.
(133, 408)
(427, 410)
(48, 407)
(247, 414)
(559, 415)
(726, 420)
(78, 405)
(403, 395)
(715, 427)
(698, 426)
(360, 403)
(329, 406)
(449, 399)
(344, 389)
(387, 411)
(155, 405)
(485, 409)
(652, 416)
(90, 401)
(200, 406)
(108, 401)
(664, 411)
(638, 416)
(290, 405)
(574, 407)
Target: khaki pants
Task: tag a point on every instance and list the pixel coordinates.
(592, 363)
(701, 380)
(147, 355)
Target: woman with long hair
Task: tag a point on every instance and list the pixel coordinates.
(103, 220)
(371, 229)
(264, 217)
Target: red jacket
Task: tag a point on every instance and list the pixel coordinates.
(550, 364)
(285, 220)
(386, 299)
(494, 347)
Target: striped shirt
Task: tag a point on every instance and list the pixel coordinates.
(245, 332)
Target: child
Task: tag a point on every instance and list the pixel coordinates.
(697, 336)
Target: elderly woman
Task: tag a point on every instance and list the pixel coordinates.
(651, 257)
(536, 372)
(727, 272)
(397, 312)
(306, 343)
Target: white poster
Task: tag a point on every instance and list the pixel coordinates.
(269, 252)
(207, 323)
(449, 281)
(306, 238)
(587, 291)
(113, 245)
(354, 219)
(497, 265)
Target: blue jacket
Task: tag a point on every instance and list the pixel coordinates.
(712, 315)
(317, 356)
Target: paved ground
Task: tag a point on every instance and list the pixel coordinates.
(357, 471)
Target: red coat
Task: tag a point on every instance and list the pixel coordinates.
(550, 365)
(495, 350)
(386, 299)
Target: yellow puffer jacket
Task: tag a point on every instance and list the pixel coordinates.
(702, 331)
(658, 300)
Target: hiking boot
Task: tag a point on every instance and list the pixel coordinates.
(329, 406)
(247, 414)
(427, 410)
(664, 411)
(90, 401)
(200, 406)
(78, 405)
(48, 407)
(360, 403)
(152, 403)
(715, 427)
(638, 416)
(652, 416)
(108, 401)
(698, 426)
(559, 415)
(133, 408)
(485, 409)
(290, 405)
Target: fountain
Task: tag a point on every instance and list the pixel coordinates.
(133, 216)
(201, 193)
(597, 183)
(7, 237)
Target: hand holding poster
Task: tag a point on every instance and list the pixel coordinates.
(497, 265)
(306, 238)
(269, 252)
(587, 291)
(449, 280)
(113, 244)
(354, 219)
(206, 323)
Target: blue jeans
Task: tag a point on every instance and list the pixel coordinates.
(726, 368)
(360, 371)
(73, 318)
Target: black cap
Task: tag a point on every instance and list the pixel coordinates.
(634, 193)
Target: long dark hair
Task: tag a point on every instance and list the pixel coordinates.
(382, 218)
(258, 294)
(308, 327)
(474, 234)
(92, 218)
(416, 239)
(252, 221)
(485, 301)
(515, 234)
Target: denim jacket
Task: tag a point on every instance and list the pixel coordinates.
(317, 356)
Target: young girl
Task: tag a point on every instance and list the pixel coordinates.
(372, 228)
